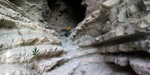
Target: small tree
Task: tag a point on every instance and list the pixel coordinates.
(36, 53)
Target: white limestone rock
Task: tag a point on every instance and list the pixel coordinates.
(105, 20)
(122, 16)
(140, 66)
(47, 65)
(9, 69)
(110, 3)
(147, 4)
(118, 60)
(24, 54)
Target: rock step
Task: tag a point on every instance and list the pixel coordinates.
(24, 54)
(138, 64)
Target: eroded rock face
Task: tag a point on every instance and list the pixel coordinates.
(119, 29)
(21, 30)
(113, 31)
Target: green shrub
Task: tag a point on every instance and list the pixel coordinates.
(36, 53)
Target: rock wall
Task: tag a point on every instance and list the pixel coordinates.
(113, 38)
(119, 29)
(21, 30)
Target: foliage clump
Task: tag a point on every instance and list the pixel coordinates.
(36, 53)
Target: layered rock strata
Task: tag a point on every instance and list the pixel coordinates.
(113, 38)
(119, 29)
(21, 31)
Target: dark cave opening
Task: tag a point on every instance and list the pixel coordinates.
(17, 2)
(78, 11)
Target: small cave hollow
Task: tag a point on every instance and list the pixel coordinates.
(17, 2)
(64, 13)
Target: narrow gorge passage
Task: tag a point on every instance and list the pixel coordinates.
(64, 13)
(70, 12)
(108, 37)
